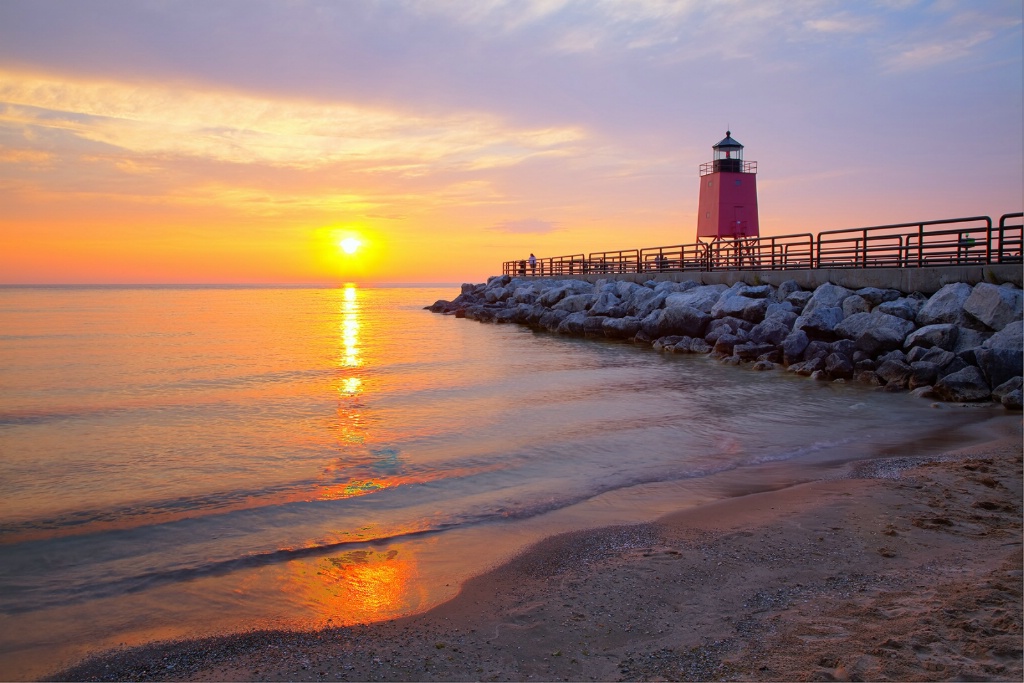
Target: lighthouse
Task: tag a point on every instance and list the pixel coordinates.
(728, 194)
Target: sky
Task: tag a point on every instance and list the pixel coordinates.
(240, 141)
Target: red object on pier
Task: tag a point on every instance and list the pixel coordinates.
(728, 194)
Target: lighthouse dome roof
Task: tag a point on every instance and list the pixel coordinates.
(728, 142)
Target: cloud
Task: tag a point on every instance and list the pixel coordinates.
(245, 129)
(525, 226)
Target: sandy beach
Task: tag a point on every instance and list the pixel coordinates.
(901, 569)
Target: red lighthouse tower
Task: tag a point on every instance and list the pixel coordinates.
(728, 194)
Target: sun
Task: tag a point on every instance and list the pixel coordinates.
(350, 245)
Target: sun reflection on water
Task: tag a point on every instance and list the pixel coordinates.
(356, 587)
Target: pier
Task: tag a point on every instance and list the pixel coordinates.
(975, 242)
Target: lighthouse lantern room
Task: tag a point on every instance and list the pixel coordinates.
(728, 194)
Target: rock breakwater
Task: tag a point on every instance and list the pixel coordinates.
(962, 343)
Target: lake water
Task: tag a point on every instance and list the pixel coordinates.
(186, 461)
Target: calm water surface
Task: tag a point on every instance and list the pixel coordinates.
(186, 461)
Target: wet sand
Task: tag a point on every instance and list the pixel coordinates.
(906, 569)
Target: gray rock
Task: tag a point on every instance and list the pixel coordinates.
(1012, 384)
(682, 346)
(605, 303)
(940, 357)
(526, 294)
(855, 304)
(594, 324)
(999, 364)
(838, 366)
(967, 338)
(923, 373)
(892, 355)
(1013, 400)
(625, 289)
(819, 323)
(666, 343)
(739, 306)
(769, 332)
(575, 303)
(869, 377)
(561, 289)
(955, 365)
(552, 319)
(702, 298)
(894, 371)
(787, 288)
(757, 291)
(966, 385)
(827, 295)
(783, 317)
(682, 320)
(725, 343)
(637, 300)
(905, 307)
(943, 336)
(808, 367)
(793, 346)
(886, 333)
(699, 346)
(1002, 353)
(620, 328)
(654, 303)
(995, 307)
(854, 326)
(876, 296)
(817, 349)
(844, 347)
(572, 324)
(763, 365)
(799, 299)
(750, 350)
(497, 294)
(945, 306)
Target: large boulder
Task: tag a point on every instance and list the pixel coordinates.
(853, 326)
(946, 305)
(563, 288)
(995, 307)
(769, 332)
(608, 303)
(724, 344)
(827, 295)
(820, 322)
(943, 336)
(838, 366)
(965, 385)
(855, 304)
(572, 324)
(575, 303)
(894, 372)
(621, 328)
(1001, 356)
(681, 320)
(903, 307)
(740, 306)
(757, 291)
(886, 332)
(703, 298)
(876, 296)
(787, 288)
(793, 346)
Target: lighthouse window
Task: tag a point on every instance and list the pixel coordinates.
(738, 181)
(707, 214)
(709, 183)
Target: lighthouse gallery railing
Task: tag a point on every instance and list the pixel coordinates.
(946, 242)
